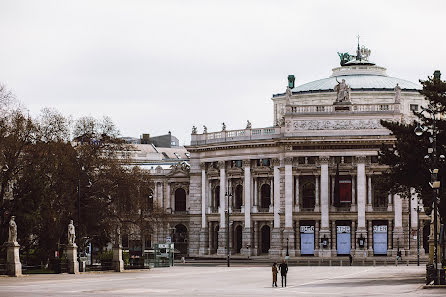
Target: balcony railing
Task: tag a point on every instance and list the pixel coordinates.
(351, 108)
(235, 135)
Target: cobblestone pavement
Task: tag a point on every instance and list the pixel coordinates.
(224, 281)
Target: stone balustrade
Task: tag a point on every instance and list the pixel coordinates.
(350, 108)
(235, 135)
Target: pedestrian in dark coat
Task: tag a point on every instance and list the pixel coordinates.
(275, 271)
(283, 271)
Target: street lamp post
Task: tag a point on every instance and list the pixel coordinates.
(435, 184)
(228, 196)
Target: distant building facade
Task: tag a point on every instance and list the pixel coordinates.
(307, 183)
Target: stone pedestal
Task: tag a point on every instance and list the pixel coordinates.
(247, 242)
(118, 263)
(204, 242)
(276, 240)
(222, 251)
(13, 265)
(73, 264)
(324, 234)
(288, 233)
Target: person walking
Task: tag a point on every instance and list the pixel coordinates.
(283, 271)
(275, 271)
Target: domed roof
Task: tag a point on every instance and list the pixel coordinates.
(358, 78)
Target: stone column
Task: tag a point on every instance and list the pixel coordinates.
(296, 193)
(13, 265)
(334, 247)
(204, 232)
(398, 224)
(413, 220)
(276, 241)
(271, 202)
(389, 202)
(316, 238)
(389, 238)
(317, 194)
(247, 232)
(353, 207)
(370, 238)
(255, 206)
(73, 264)
(222, 231)
(353, 236)
(169, 206)
(361, 194)
(369, 193)
(325, 228)
(289, 231)
(256, 239)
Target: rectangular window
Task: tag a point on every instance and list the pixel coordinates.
(414, 107)
(345, 191)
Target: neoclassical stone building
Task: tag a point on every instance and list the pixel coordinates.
(309, 180)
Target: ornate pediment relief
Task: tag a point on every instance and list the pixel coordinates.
(180, 169)
(235, 171)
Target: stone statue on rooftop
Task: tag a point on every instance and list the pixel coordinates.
(71, 233)
(343, 91)
(12, 230)
(205, 129)
(223, 126)
(194, 130)
(248, 125)
(288, 95)
(397, 90)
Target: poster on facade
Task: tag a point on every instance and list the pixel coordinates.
(380, 239)
(343, 240)
(345, 191)
(307, 240)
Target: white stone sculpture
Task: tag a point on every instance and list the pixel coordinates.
(397, 90)
(118, 236)
(205, 129)
(194, 130)
(343, 91)
(248, 125)
(288, 95)
(12, 230)
(71, 233)
(223, 126)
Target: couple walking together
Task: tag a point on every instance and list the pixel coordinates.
(283, 267)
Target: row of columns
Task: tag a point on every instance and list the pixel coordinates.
(361, 194)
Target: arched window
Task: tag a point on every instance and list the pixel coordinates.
(238, 199)
(265, 194)
(308, 196)
(217, 197)
(180, 199)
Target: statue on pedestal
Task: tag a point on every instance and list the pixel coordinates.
(12, 230)
(397, 90)
(288, 95)
(343, 91)
(194, 130)
(248, 125)
(223, 126)
(118, 236)
(205, 129)
(71, 233)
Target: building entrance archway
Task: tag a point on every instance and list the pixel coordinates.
(238, 239)
(180, 239)
(265, 239)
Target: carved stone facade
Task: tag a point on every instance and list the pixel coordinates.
(286, 178)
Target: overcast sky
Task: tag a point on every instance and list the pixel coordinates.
(155, 66)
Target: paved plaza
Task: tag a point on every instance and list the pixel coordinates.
(223, 281)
